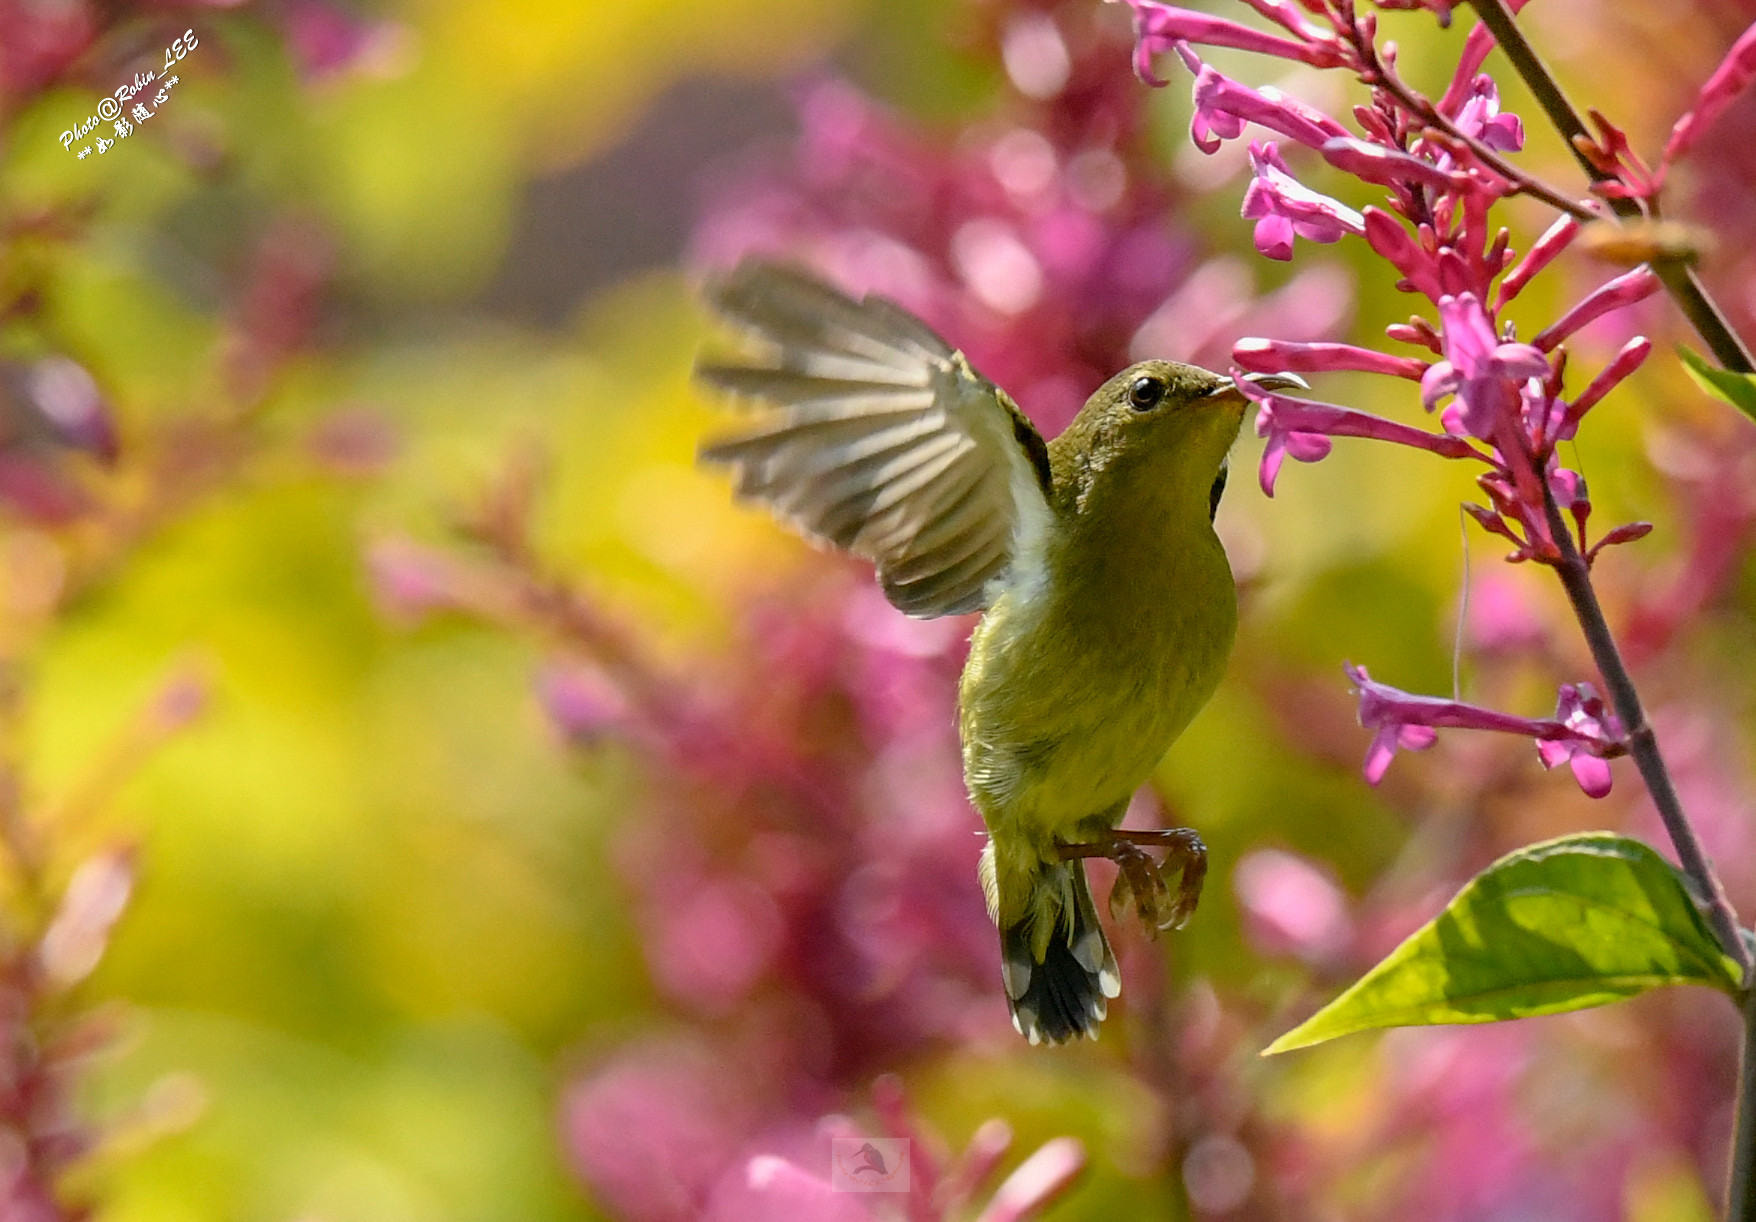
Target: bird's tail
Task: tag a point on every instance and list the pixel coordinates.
(1056, 962)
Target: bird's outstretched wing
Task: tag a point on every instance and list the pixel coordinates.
(885, 443)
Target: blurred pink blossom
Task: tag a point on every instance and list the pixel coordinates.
(409, 581)
(1501, 618)
(774, 1187)
(581, 703)
(1291, 905)
(42, 40)
(652, 1129)
(69, 401)
(329, 40)
(1722, 87)
(1038, 240)
(95, 898)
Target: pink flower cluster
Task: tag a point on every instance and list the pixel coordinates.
(1501, 401)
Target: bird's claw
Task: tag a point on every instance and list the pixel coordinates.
(1143, 885)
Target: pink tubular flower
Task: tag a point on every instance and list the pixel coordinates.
(1627, 533)
(1630, 358)
(1476, 46)
(1731, 78)
(1305, 447)
(1582, 711)
(1568, 489)
(1301, 429)
(1283, 207)
(1482, 372)
(1385, 166)
(1443, 166)
(1388, 239)
(1223, 106)
(1382, 705)
(1275, 356)
(1582, 732)
(1625, 290)
(1479, 117)
(1159, 27)
(1555, 239)
(1390, 737)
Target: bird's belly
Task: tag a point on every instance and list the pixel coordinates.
(1062, 721)
(1096, 760)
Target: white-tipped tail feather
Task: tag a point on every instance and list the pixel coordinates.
(1066, 992)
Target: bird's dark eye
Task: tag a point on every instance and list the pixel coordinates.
(1146, 393)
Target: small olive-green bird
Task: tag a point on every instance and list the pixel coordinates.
(1108, 605)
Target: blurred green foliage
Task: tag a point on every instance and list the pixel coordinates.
(375, 911)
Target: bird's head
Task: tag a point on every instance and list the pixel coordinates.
(1158, 425)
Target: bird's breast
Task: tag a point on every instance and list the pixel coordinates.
(1075, 686)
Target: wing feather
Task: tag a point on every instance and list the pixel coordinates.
(791, 308)
(799, 455)
(884, 442)
(872, 527)
(941, 556)
(792, 386)
(957, 589)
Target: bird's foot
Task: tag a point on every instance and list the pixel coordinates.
(1143, 884)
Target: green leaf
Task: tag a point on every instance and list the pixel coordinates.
(1569, 923)
(1738, 389)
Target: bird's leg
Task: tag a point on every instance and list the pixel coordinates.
(1144, 884)
(1186, 854)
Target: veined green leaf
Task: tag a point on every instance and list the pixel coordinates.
(1738, 389)
(1568, 923)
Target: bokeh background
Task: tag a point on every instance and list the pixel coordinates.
(479, 817)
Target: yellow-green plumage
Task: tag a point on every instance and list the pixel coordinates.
(1076, 686)
(1109, 605)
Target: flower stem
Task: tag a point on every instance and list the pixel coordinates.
(1741, 1195)
(1384, 77)
(1680, 281)
(1575, 576)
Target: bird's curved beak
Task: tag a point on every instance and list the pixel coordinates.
(1277, 381)
(1262, 381)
